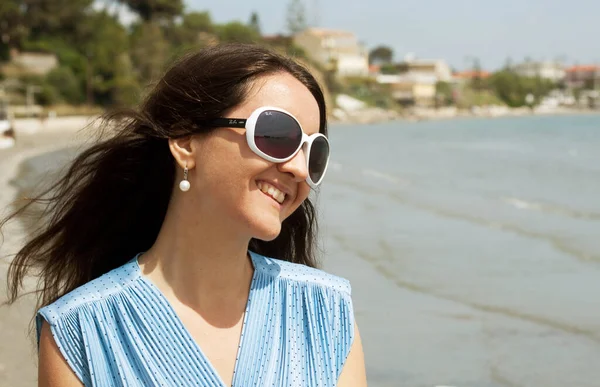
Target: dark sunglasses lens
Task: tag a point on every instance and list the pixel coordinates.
(317, 160)
(277, 134)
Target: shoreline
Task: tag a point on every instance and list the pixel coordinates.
(18, 366)
(31, 141)
(378, 115)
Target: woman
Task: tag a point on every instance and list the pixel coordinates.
(155, 265)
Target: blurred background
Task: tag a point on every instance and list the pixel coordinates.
(462, 198)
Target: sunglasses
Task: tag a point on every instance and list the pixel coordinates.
(276, 136)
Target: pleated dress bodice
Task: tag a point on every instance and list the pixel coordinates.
(120, 330)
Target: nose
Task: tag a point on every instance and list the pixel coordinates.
(296, 166)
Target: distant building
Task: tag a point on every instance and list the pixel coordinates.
(411, 89)
(33, 62)
(429, 67)
(551, 71)
(336, 50)
(585, 76)
(414, 84)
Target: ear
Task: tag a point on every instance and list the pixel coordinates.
(183, 150)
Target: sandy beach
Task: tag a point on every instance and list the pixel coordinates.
(17, 349)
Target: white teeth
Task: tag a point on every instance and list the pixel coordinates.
(271, 191)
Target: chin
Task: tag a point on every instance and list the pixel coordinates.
(268, 235)
(262, 221)
(266, 230)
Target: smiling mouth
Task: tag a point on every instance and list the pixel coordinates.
(271, 191)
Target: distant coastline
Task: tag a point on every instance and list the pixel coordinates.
(371, 115)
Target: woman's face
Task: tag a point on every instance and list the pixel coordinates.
(229, 178)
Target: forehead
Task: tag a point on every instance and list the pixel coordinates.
(283, 91)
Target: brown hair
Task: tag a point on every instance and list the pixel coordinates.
(111, 201)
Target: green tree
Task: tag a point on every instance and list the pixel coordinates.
(255, 22)
(68, 54)
(198, 22)
(87, 48)
(150, 10)
(12, 26)
(64, 80)
(443, 91)
(296, 17)
(512, 89)
(388, 68)
(54, 18)
(381, 55)
(104, 39)
(89, 52)
(237, 32)
(149, 52)
(126, 90)
(190, 33)
(505, 84)
(47, 95)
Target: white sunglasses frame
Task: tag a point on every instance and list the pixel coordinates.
(250, 124)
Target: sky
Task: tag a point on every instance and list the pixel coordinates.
(457, 31)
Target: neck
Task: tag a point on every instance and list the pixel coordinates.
(203, 264)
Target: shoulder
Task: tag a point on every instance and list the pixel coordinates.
(91, 293)
(321, 298)
(73, 320)
(301, 274)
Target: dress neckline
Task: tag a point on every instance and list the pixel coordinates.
(182, 329)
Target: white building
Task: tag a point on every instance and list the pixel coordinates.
(335, 49)
(427, 67)
(416, 79)
(411, 88)
(34, 62)
(551, 71)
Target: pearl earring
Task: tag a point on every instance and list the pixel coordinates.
(184, 184)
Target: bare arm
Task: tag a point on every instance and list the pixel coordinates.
(354, 374)
(53, 370)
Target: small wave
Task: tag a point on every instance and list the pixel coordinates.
(488, 147)
(523, 204)
(384, 176)
(375, 260)
(547, 208)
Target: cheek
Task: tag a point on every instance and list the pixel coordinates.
(226, 177)
(302, 194)
(221, 163)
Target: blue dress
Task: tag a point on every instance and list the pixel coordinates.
(120, 330)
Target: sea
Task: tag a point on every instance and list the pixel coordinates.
(472, 247)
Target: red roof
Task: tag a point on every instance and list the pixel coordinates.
(470, 74)
(583, 68)
(374, 68)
